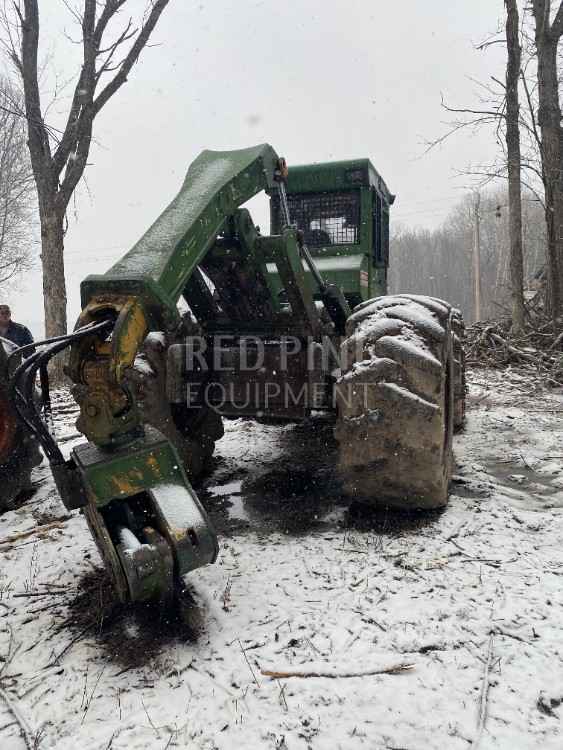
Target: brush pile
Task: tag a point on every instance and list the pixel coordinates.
(538, 349)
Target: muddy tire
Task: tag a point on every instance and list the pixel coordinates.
(15, 478)
(460, 386)
(193, 432)
(19, 450)
(395, 401)
(16, 466)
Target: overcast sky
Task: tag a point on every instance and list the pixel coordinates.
(318, 79)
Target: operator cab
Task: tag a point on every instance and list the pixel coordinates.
(342, 208)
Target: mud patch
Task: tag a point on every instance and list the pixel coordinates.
(516, 474)
(390, 522)
(293, 500)
(289, 484)
(131, 635)
(523, 487)
(472, 489)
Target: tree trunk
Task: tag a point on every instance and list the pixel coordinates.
(54, 287)
(59, 163)
(477, 288)
(513, 150)
(549, 118)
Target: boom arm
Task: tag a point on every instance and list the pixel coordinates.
(143, 513)
(158, 266)
(141, 290)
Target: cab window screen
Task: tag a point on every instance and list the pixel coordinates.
(324, 218)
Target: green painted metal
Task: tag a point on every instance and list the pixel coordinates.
(157, 268)
(159, 265)
(179, 253)
(354, 268)
(177, 535)
(124, 473)
(290, 275)
(327, 177)
(350, 272)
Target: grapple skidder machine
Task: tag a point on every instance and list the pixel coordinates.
(205, 317)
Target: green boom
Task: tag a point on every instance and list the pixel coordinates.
(158, 266)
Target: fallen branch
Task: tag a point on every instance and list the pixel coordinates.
(509, 634)
(55, 661)
(556, 343)
(70, 436)
(484, 695)
(518, 353)
(37, 593)
(493, 344)
(333, 673)
(25, 730)
(30, 532)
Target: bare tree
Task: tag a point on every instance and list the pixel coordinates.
(498, 109)
(547, 36)
(59, 159)
(513, 161)
(439, 262)
(17, 189)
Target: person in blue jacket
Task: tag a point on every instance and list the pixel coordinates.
(17, 333)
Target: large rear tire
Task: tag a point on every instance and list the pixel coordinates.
(395, 401)
(15, 477)
(460, 386)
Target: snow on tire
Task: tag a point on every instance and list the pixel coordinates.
(395, 402)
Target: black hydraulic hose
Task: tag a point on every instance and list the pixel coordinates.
(22, 384)
(13, 389)
(15, 393)
(46, 395)
(42, 432)
(88, 328)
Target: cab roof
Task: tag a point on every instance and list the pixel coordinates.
(337, 175)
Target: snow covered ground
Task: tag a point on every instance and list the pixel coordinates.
(470, 598)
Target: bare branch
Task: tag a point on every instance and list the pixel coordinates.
(57, 174)
(500, 83)
(531, 111)
(557, 25)
(496, 38)
(156, 9)
(16, 187)
(73, 12)
(38, 135)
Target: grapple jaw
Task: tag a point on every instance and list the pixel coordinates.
(146, 519)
